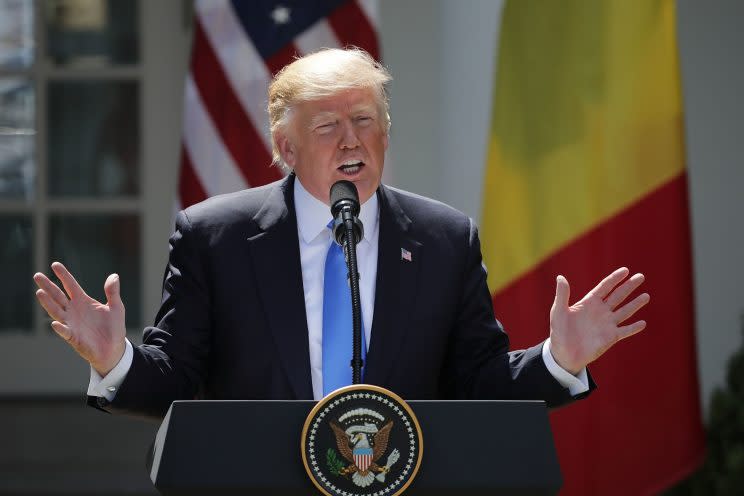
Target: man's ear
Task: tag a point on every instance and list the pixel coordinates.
(286, 148)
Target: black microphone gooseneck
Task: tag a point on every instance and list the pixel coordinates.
(348, 231)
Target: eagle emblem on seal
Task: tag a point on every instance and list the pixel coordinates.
(362, 445)
(361, 440)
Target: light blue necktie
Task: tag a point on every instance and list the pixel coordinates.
(337, 322)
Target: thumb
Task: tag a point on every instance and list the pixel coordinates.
(111, 288)
(562, 293)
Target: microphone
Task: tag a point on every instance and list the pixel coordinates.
(345, 207)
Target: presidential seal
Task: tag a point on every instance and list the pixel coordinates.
(361, 440)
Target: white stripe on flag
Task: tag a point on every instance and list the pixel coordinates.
(212, 164)
(243, 66)
(319, 35)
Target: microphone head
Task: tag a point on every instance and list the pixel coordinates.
(344, 193)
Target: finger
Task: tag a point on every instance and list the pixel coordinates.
(54, 310)
(626, 311)
(51, 289)
(624, 290)
(112, 290)
(63, 330)
(608, 283)
(630, 329)
(72, 288)
(562, 292)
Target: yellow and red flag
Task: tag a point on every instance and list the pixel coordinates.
(586, 174)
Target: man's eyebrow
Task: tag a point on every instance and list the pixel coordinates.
(321, 117)
(365, 108)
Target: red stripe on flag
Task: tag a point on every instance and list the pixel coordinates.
(228, 115)
(645, 414)
(287, 54)
(190, 190)
(352, 27)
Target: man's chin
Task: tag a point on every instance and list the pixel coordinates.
(365, 189)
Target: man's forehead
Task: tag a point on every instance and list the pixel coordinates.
(343, 100)
(322, 111)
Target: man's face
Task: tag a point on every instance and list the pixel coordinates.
(334, 138)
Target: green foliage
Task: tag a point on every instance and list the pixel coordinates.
(723, 471)
(335, 465)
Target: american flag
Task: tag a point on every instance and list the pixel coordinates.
(238, 46)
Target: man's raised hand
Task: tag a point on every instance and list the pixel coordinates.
(95, 331)
(582, 332)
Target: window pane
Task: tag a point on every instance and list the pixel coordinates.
(94, 246)
(93, 134)
(16, 138)
(16, 34)
(92, 33)
(16, 293)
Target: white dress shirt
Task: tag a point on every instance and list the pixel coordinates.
(314, 235)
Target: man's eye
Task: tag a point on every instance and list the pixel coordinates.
(326, 127)
(364, 119)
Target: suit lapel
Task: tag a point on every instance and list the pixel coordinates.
(396, 288)
(276, 261)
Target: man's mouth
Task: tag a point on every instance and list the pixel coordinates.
(351, 167)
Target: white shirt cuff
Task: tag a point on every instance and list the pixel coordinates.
(109, 385)
(576, 384)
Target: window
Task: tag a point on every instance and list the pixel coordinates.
(69, 152)
(90, 106)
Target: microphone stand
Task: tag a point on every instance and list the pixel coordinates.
(356, 306)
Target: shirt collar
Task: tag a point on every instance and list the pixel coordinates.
(313, 215)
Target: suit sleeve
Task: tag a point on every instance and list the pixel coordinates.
(172, 361)
(483, 366)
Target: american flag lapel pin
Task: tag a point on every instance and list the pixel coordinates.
(405, 255)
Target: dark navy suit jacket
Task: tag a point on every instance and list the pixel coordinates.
(232, 322)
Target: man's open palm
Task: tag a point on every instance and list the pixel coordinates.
(581, 332)
(96, 331)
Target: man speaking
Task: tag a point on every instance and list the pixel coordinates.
(251, 306)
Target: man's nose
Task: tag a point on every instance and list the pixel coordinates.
(349, 138)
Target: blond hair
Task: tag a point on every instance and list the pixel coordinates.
(320, 75)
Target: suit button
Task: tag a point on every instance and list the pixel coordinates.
(102, 402)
